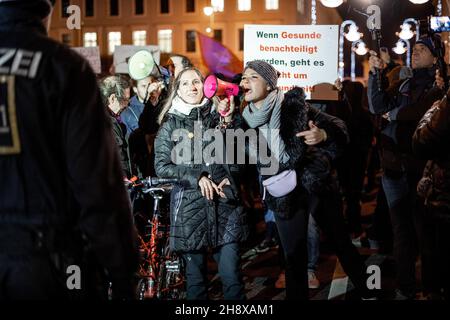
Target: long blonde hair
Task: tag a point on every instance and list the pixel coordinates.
(173, 92)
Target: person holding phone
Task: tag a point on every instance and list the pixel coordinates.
(405, 102)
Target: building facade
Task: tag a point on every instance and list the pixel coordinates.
(172, 24)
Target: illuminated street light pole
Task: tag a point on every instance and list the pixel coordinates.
(313, 12)
(400, 49)
(358, 47)
(352, 35)
(406, 32)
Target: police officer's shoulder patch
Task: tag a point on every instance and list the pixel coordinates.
(9, 132)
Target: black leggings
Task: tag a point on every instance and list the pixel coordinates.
(292, 232)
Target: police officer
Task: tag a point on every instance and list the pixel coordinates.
(63, 205)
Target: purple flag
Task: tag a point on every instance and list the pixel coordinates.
(218, 58)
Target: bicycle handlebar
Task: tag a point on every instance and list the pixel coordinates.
(153, 181)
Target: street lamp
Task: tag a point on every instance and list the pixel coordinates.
(407, 33)
(209, 11)
(352, 35)
(418, 1)
(331, 3)
(401, 49)
(358, 47)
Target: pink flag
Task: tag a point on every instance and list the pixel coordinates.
(218, 58)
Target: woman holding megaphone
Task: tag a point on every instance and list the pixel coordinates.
(305, 142)
(210, 215)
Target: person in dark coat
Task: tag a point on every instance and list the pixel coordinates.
(431, 141)
(116, 96)
(404, 103)
(64, 211)
(353, 163)
(210, 215)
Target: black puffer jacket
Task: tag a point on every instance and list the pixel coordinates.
(198, 223)
(432, 141)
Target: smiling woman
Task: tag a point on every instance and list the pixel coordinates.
(210, 215)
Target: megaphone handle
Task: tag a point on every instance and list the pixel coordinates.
(227, 109)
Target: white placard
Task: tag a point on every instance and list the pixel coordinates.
(91, 54)
(123, 53)
(305, 55)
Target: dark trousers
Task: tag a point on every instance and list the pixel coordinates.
(351, 177)
(382, 227)
(330, 219)
(441, 256)
(293, 236)
(437, 247)
(29, 277)
(227, 258)
(408, 230)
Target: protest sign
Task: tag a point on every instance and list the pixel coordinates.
(305, 55)
(91, 54)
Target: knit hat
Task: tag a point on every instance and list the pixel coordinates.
(265, 70)
(429, 43)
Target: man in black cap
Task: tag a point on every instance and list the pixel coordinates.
(404, 103)
(62, 198)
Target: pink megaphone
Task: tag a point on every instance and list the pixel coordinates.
(213, 86)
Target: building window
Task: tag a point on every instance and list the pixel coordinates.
(190, 6)
(139, 7)
(89, 5)
(114, 39)
(244, 5)
(165, 40)
(271, 4)
(301, 6)
(241, 39)
(218, 35)
(90, 39)
(190, 41)
(217, 5)
(165, 8)
(66, 39)
(64, 5)
(113, 8)
(140, 38)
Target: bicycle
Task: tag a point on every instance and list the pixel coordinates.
(161, 271)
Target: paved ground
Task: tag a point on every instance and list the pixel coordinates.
(261, 270)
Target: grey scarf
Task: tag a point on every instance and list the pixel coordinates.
(267, 120)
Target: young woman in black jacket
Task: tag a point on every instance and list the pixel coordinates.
(263, 113)
(210, 215)
(314, 165)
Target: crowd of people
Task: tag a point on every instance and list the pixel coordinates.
(64, 202)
